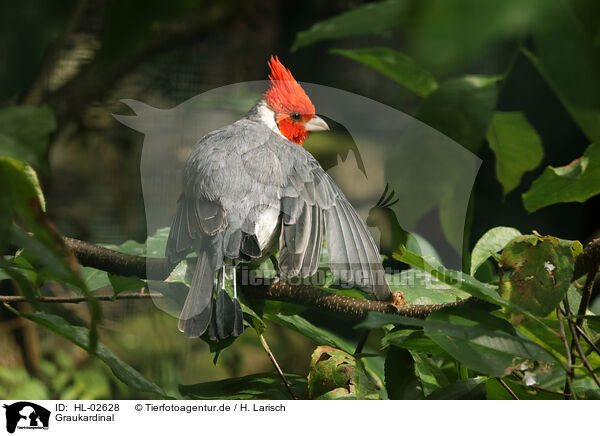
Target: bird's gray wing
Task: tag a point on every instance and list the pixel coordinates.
(196, 220)
(197, 226)
(312, 202)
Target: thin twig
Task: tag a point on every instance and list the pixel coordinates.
(586, 296)
(505, 386)
(538, 388)
(264, 344)
(579, 349)
(593, 346)
(596, 342)
(568, 314)
(563, 336)
(362, 341)
(82, 299)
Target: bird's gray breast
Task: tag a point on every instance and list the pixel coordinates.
(264, 169)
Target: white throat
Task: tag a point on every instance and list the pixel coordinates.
(267, 116)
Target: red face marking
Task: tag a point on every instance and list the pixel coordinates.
(290, 103)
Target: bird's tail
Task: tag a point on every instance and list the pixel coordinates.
(220, 319)
(227, 318)
(197, 310)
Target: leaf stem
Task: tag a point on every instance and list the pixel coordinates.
(505, 386)
(568, 389)
(266, 347)
(575, 343)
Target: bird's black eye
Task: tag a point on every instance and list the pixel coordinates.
(295, 116)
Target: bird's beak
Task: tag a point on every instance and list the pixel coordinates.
(316, 124)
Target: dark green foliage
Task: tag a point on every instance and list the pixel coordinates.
(252, 387)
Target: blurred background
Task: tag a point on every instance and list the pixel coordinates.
(80, 58)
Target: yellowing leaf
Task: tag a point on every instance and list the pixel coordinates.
(335, 374)
(541, 269)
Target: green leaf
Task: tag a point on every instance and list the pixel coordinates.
(495, 391)
(491, 243)
(94, 278)
(463, 282)
(395, 65)
(592, 394)
(16, 382)
(430, 375)
(335, 374)
(420, 287)
(53, 262)
(321, 336)
(79, 336)
(318, 335)
(23, 279)
(469, 389)
(568, 58)
(449, 36)
(544, 338)
(19, 184)
(181, 273)
(157, 243)
(281, 307)
(541, 271)
(478, 340)
(517, 147)
(128, 247)
(462, 109)
(418, 244)
(46, 256)
(482, 342)
(401, 381)
(22, 196)
(265, 386)
(24, 132)
(122, 284)
(413, 340)
(364, 20)
(577, 181)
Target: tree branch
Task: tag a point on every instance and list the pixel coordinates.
(578, 347)
(93, 81)
(570, 373)
(36, 93)
(119, 263)
(588, 260)
(346, 307)
(267, 349)
(159, 268)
